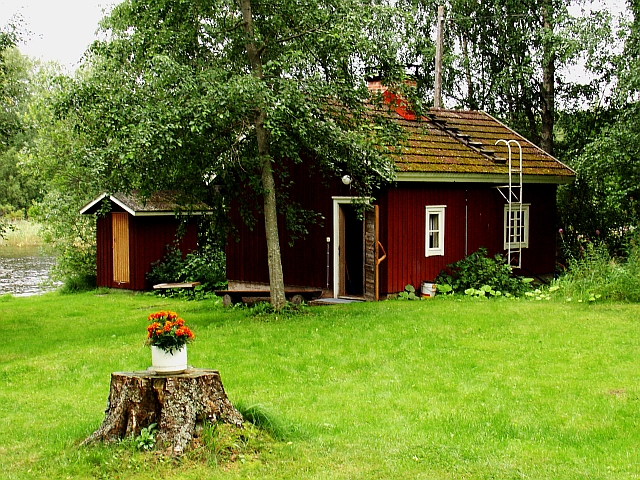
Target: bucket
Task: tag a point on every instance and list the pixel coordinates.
(428, 289)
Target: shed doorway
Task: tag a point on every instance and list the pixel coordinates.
(120, 229)
(355, 251)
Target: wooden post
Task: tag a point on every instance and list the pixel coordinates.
(176, 403)
(437, 91)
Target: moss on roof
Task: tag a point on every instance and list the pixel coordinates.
(464, 141)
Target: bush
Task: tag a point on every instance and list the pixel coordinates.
(206, 266)
(596, 274)
(79, 283)
(478, 271)
(168, 269)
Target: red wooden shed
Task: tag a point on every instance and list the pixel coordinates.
(134, 233)
(454, 192)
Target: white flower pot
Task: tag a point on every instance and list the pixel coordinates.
(163, 362)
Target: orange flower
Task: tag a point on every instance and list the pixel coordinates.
(166, 328)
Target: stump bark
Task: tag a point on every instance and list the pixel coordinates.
(176, 403)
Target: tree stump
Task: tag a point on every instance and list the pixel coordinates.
(176, 403)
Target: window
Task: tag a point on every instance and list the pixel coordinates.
(516, 227)
(434, 242)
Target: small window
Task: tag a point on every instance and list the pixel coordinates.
(516, 226)
(434, 242)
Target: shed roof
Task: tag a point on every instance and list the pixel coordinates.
(460, 145)
(161, 203)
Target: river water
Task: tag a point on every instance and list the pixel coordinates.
(25, 271)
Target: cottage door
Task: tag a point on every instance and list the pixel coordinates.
(356, 251)
(120, 229)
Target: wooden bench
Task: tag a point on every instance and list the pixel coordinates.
(231, 297)
(189, 286)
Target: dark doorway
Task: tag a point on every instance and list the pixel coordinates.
(353, 252)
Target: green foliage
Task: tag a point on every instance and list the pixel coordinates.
(409, 293)
(483, 292)
(206, 265)
(147, 438)
(603, 202)
(478, 275)
(602, 144)
(595, 274)
(17, 189)
(72, 236)
(444, 288)
(78, 283)
(168, 269)
(59, 160)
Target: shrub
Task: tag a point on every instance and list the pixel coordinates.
(168, 269)
(478, 271)
(596, 274)
(79, 283)
(206, 266)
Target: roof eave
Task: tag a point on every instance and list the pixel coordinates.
(434, 177)
(92, 207)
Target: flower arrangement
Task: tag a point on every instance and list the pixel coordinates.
(168, 331)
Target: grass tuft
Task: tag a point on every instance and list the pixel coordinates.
(78, 283)
(263, 418)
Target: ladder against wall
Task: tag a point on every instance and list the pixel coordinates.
(514, 223)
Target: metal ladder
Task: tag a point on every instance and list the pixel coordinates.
(515, 226)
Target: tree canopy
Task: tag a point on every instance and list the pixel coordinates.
(603, 202)
(192, 95)
(220, 98)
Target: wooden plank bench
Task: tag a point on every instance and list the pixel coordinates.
(189, 286)
(231, 297)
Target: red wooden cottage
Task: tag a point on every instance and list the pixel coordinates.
(450, 197)
(134, 233)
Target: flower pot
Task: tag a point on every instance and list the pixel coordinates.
(164, 362)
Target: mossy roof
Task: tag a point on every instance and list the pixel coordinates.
(454, 142)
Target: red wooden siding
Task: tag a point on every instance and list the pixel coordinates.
(104, 253)
(305, 263)
(148, 238)
(403, 224)
(402, 220)
(402, 232)
(540, 257)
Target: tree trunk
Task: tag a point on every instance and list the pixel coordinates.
(276, 278)
(548, 81)
(176, 403)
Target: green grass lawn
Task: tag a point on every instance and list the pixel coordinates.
(440, 389)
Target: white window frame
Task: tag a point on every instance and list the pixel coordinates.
(434, 210)
(515, 208)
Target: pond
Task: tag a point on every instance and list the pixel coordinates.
(25, 271)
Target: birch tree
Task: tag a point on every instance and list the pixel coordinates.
(206, 96)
